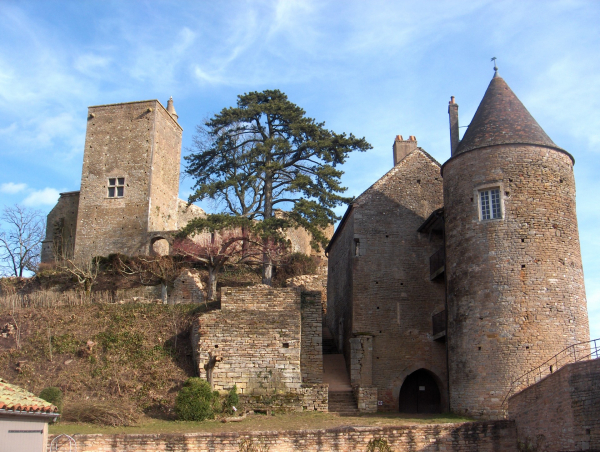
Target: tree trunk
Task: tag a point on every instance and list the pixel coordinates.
(267, 274)
(163, 293)
(245, 243)
(211, 290)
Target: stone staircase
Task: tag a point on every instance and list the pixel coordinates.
(343, 403)
(341, 396)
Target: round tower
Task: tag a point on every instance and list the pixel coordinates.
(515, 291)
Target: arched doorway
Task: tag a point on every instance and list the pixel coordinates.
(420, 393)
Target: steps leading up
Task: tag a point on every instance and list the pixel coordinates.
(342, 402)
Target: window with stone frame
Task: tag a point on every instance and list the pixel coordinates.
(489, 204)
(116, 187)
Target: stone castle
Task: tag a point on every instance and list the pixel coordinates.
(448, 282)
(128, 202)
(445, 282)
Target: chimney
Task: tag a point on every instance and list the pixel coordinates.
(453, 113)
(403, 147)
(171, 109)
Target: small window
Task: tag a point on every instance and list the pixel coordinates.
(356, 247)
(116, 187)
(490, 204)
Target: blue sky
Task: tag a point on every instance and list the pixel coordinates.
(376, 69)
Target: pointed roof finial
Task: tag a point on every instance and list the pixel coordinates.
(171, 109)
(495, 67)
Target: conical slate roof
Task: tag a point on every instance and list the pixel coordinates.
(501, 118)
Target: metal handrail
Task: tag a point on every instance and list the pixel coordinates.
(587, 350)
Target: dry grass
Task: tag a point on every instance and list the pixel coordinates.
(293, 421)
(101, 413)
(101, 352)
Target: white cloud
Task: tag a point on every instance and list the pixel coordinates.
(46, 196)
(89, 64)
(11, 188)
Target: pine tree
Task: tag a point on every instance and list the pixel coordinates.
(266, 154)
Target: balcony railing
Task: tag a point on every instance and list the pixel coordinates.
(437, 263)
(572, 354)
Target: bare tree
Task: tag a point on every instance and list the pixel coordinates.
(21, 235)
(214, 250)
(150, 270)
(86, 271)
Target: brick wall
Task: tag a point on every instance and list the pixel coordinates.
(387, 287)
(469, 437)
(515, 285)
(562, 411)
(61, 226)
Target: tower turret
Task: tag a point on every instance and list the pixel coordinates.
(515, 290)
(171, 109)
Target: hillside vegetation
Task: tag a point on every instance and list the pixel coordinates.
(131, 357)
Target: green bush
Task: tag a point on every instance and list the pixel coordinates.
(53, 395)
(295, 264)
(231, 400)
(196, 401)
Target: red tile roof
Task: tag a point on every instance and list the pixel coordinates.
(15, 399)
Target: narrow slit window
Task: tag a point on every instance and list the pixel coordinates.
(116, 187)
(356, 247)
(490, 204)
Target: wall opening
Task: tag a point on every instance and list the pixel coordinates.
(420, 393)
(160, 247)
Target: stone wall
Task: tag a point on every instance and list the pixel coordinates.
(311, 283)
(562, 411)
(163, 208)
(366, 398)
(311, 343)
(340, 284)
(516, 293)
(309, 397)
(135, 141)
(253, 341)
(187, 288)
(469, 437)
(379, 271)
(61, 226)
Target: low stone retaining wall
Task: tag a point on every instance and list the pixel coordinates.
(490, 436)
(306, 398)
(561, 412)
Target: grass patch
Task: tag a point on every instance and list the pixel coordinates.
(292, 421)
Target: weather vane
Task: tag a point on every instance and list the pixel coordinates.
(495, 67)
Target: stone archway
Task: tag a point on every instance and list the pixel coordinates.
(159, 246)
(420, 393)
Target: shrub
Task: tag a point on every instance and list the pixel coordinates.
(196, 401)
(53, 395)
(231, 400)
(378, 445)
(296, 264)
